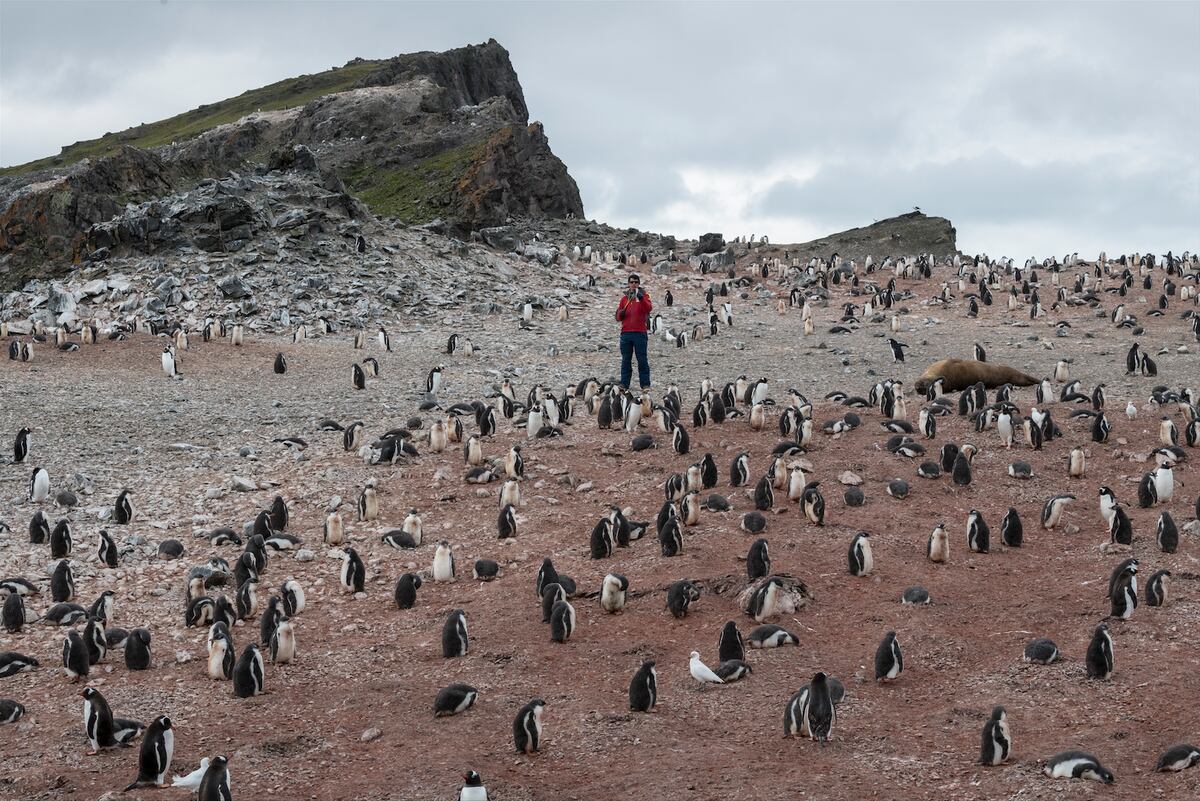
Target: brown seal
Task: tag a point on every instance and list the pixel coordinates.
(962, 373)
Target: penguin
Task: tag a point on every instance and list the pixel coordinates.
(961, 469)
(107, 551)
(980, 353)
(443, 562)
(280, 364)
(21, 446)
(1164, 483)
(813, 503)
(1157, 588)
(62, 582)
(670, 537)
(861, 560)
(1041, 651)
(39, 528)
(334, 533)
(680, 442)
(353, 573)
(562, 621)
(897, 350)
(1077, 765)
(1100, 428)
(1166, 533)
(60, 540)
(405, 593)
(763, 601)
(612, 592)
(168, 362)
(10, 711)
(214, 782)
(680, 596)
(39, 485)
(527, 727)
(1012, 532)
(997, 740)
(978, 533)
(1120, 527)
(368, 504)
(889, 662)
(385, 341)
(758, 561)
(1178, 757)
(358, 378)
(643, 689)
(1077, 464)
(13, 613)
(248, 673)
(771, 636)
(1052, 511)
(247, 598)
(730, 645)
(1123, 590)
(1099, 659)
(817, 712)
(137, 650)
(454, 699)
(12, 663)
(154, 758)
(454, 635)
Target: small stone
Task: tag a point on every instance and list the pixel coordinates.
(371, 734)
(584, 487)
(305, 555)
(240, 484)
(1070, 528)
(850, 479)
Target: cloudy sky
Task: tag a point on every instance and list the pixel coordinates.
(1036, 128)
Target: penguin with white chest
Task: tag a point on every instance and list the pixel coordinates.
(562, 621)
(353, 573)
(978, 533)
(889, 661)
(997, 740)
(817, 712)
(39, 485)
(1077, 765)
(454, 635)
(453, 699)
(643, 689)
(248, 673)
(527, 727)
(860, 558)
(1099, 659)
(97, 722)
(154, 757)
(214, 783)
(613, 591)
(443, 562)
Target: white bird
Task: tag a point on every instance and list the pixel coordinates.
(701, 672)
(193, 779)
(1131, 411)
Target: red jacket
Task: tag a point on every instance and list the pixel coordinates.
(635, 314)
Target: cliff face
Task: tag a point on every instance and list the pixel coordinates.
(427, 138)
(910, 233)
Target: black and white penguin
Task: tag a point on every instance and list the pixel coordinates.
(214, 784)
(997, 740)
(406, 590)
(358, 378)
(1157, 588)
(1166, 533)
(95, 639)
(764, 494)
(106, 550)
(21, 446)
(39, 485)
(1012, 532)
(758, 560)
(817, 711)
(248, 673)
(454, 635)
(61, 543)
(354, 572)
(813, 503)
(527, 727)
(39, 528)
(889, 662)
(1041, 651)
(770, 635)
(680, 442)
(443, 562)
(453, 699)
(680, 596)
(1178, 757)
(137, 649)
(13, 613)
(62, 582)
(292, 597)
(961, 469)
(643, 689)
(12, 663)
(1053, 509)
(1099, 658)
(97, 722)
(978, 533)
(1077, 765)
(898, 349)
(10, 711)
(562, 621)
(730, 645)
(385, 341)
(613, 591)
(861, 560)
(154, 757)
(1123, 589)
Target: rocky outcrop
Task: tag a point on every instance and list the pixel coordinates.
(910, 233)
(433, 139)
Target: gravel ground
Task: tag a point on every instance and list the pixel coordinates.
(109, 420)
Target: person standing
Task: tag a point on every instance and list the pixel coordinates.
(633, 312)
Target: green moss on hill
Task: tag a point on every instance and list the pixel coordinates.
(419, 192)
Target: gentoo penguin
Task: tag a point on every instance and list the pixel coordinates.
(292, 597)
(95, 640)
(506, 523)
(961, 469)
(1053, 509)
(1077, 765)
(1077, 464)
(21, 446)
(613, 591)
(527, 727)
(248, 673)
(334, 533)
(220, 652)
(813, 503)
(730, 644)
(510, 494)
(680, 596)
(770, 635)
(385, 341)
(473, 789)
(1157, 588)
(106, 550)
(938, 548)
(137, 650)
(168, 362)
(1100, 428)
(1166, 533)
(817, 712)
(39, 485)
(643, 689)
(861, 560)
(1100, 654)
(97, 722)
(758, 561)
(433, 381)
(214, 783)
(353, 573)
(39, 528)
(62, 583)
(282, 643)
(443, 562)
(1041, 651)
(368, 504)
(1012, 532)
(978, 533)
(562, 621)
(154, 758)
(764, 494)
(237, 335)
(280, 364)
(1164, 483)
(763, 602)
(889, 662)
(358, 378)
(12, 663)
(454, 635)
(13, 613)
(997, 740)
(10, 711)
(453, 699)
(1178, 757)
(61, 543)
(406, 590)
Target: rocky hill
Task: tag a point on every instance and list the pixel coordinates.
(906, 234)
(435, 139)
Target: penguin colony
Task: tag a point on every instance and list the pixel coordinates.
(244, 614)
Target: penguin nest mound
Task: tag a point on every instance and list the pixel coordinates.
(793, 595)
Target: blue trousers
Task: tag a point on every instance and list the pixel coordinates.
(633, 342)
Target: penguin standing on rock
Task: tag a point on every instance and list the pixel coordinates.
(997, 740)
(154, 758)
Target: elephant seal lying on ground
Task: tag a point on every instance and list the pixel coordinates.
(958, 374)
